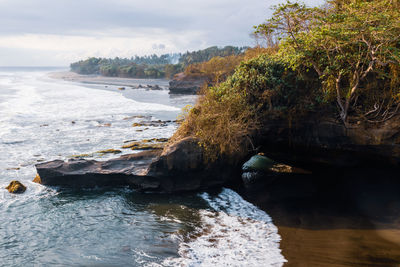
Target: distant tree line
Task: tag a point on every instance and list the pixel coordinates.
(153, 66)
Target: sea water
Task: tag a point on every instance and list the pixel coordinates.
(45, 119)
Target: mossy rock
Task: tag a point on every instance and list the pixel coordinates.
(109, 151)
(258, 163)
(37, 179)
(81, 156)
(144, 146)
(15, 187)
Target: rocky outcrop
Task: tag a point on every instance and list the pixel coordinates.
(183, 84)
(317, 142)
(312, 143)
(16, 187)
(81, 173)
(180, 167)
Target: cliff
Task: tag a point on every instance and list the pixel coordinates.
(317, 142)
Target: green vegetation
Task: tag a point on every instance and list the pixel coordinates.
(341, 60)
(225, 118)
(209, 53)
(353, 46)
(150, 66)
(137, 67)
(218, 68)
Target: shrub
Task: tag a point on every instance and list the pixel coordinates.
(226, 117)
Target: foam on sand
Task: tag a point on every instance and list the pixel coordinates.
(234, 233)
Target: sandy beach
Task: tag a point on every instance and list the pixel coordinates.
(117, 81)
(342, 219)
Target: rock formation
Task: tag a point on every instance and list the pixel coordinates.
(313, 143)
(317, 142)
(180, 167)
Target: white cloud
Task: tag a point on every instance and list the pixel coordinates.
(63, 31)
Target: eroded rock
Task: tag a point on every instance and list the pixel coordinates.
(179, 167)
(81, 173)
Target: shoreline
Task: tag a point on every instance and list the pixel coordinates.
(326, 220)
(115, 81)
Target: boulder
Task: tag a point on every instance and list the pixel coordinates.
(16, 187)
(182, 167)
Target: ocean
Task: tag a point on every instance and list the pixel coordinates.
(44, 119)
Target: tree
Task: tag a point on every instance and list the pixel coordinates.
(345, 42)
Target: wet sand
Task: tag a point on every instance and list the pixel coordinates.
(117, 81)
(340, 247)
(341, 219)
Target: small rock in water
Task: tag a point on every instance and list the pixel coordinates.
(13, 169)
(37, 179)
(104, 125)
(107, 151)
(15, 187)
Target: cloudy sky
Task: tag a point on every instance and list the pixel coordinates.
(57, 32)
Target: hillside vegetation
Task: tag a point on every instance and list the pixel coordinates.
(164, 66)
(340, 60)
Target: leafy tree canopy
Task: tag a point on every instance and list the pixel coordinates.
(350, 44)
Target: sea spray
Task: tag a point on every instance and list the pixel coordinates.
(233, 233)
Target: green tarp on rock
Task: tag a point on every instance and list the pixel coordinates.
(258, 163)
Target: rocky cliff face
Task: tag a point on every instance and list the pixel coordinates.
(183, 84)
(313, 143)
(319, 142)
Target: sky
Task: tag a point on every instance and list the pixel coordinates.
(58, 32)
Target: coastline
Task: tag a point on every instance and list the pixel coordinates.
(326, 227)
(116, 81)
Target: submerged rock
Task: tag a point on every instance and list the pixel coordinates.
(144, 146)
(109, 151)
(15, 187)
(147, 144)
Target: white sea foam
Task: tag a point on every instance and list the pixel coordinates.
(234, 233)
